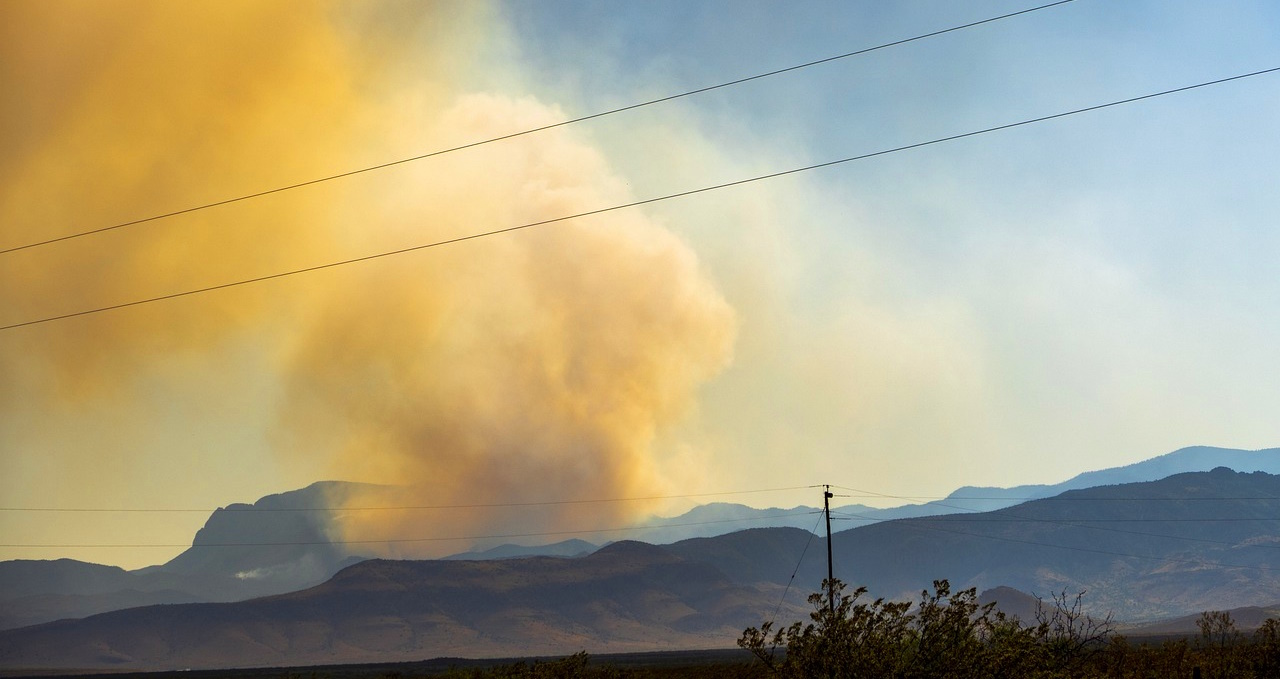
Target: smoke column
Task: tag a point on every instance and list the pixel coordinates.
(534, 365)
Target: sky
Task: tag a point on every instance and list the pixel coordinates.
(1009, 308)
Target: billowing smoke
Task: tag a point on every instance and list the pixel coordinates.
(535, 365)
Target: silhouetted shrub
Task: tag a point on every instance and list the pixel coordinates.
(948, 635)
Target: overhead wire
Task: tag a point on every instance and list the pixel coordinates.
(813, 532)
(1025, 519)
(1060, 497)
(542, 128)
(646, 201)
(451, 538)
(1011, 514)
(1200, 562)
(1079, 523)
(986, 516)
(934, 499)
(930, 523)
(246, 507)
(240, 507)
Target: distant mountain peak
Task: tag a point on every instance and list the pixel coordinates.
(1183, 460)
(633, 549)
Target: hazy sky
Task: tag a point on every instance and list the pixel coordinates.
(1016, 307)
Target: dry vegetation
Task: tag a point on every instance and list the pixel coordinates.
(949, 635)
(945, 635)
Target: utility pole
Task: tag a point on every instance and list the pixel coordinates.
(831, 582)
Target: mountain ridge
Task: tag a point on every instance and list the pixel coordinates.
(702, 592)
(207, 573)
(1098, 539)
(625, 597)
(1188, 459)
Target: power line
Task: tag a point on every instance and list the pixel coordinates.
(1062, 497)
(486, 505)
(647, 201)
(1006, 514)
(543, 128)
(307, 543)
(1075, 523)
(961, 518)
(246, 507)
(1079, 523)
(1198, 562)
(1036, 498)
(791, 581)
(914, 521)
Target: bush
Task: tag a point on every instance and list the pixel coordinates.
(948, 635)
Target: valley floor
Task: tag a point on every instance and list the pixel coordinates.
(1119, 658)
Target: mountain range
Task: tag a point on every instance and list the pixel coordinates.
(1192, 459)
(628, 596)
(712, 519)
(280, 544)
(275, 547)
(1180, 545)
(1144, 551)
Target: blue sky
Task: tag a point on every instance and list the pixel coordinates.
(1031, 303)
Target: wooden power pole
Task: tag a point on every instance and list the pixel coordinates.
(831, 582)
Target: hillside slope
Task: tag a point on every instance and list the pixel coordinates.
(1181, 461)
(281, 543)
(1177, 546)
(626, 597)
(278, 544)
(1191, 542)
(1195, 541)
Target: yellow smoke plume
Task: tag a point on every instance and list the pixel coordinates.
(534, 365)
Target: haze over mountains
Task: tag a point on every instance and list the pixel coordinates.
(1193, 459)
(1146, 551)
(969, 498)
(1142, 550)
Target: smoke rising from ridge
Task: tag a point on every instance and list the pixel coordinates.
(540, 364)
(536, 365)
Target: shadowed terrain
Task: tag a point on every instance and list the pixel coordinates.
(626, 597)
(1143, 551)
